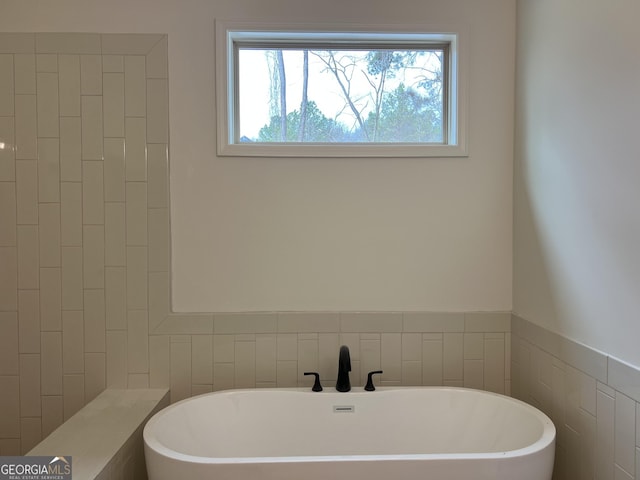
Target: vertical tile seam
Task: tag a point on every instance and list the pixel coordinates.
(37, 195)
(615, 437)
(104, 235)
(82, 239)
(13, 140)
(15, 195)
(126, 259)
(484, 358)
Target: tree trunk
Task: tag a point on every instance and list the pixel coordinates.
(305, 87)
(283, 97)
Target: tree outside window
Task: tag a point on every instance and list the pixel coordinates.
(318, 95)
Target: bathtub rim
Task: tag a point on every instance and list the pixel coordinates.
(544, 442)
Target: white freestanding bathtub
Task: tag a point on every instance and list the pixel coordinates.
(397, 433)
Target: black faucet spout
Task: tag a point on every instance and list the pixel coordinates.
(343, 383)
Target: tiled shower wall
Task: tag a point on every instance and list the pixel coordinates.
(591, 397)
(83, 220)
(84, 259)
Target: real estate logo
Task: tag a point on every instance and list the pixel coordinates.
(35, 468)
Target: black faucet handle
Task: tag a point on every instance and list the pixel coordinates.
(316, 384)
(369, 386)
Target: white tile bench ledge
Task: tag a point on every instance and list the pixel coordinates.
(104, 438)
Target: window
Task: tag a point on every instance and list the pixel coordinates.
(310, 93)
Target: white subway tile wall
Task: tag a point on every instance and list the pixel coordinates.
(592, 399)
(75, 223)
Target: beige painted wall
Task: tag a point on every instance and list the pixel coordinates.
(324, 234)
(577, 215)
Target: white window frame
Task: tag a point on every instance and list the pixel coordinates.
(227, 33)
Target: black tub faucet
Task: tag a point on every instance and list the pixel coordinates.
(317, 387)
(344, 367)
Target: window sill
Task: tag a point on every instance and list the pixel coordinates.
(342, 150)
